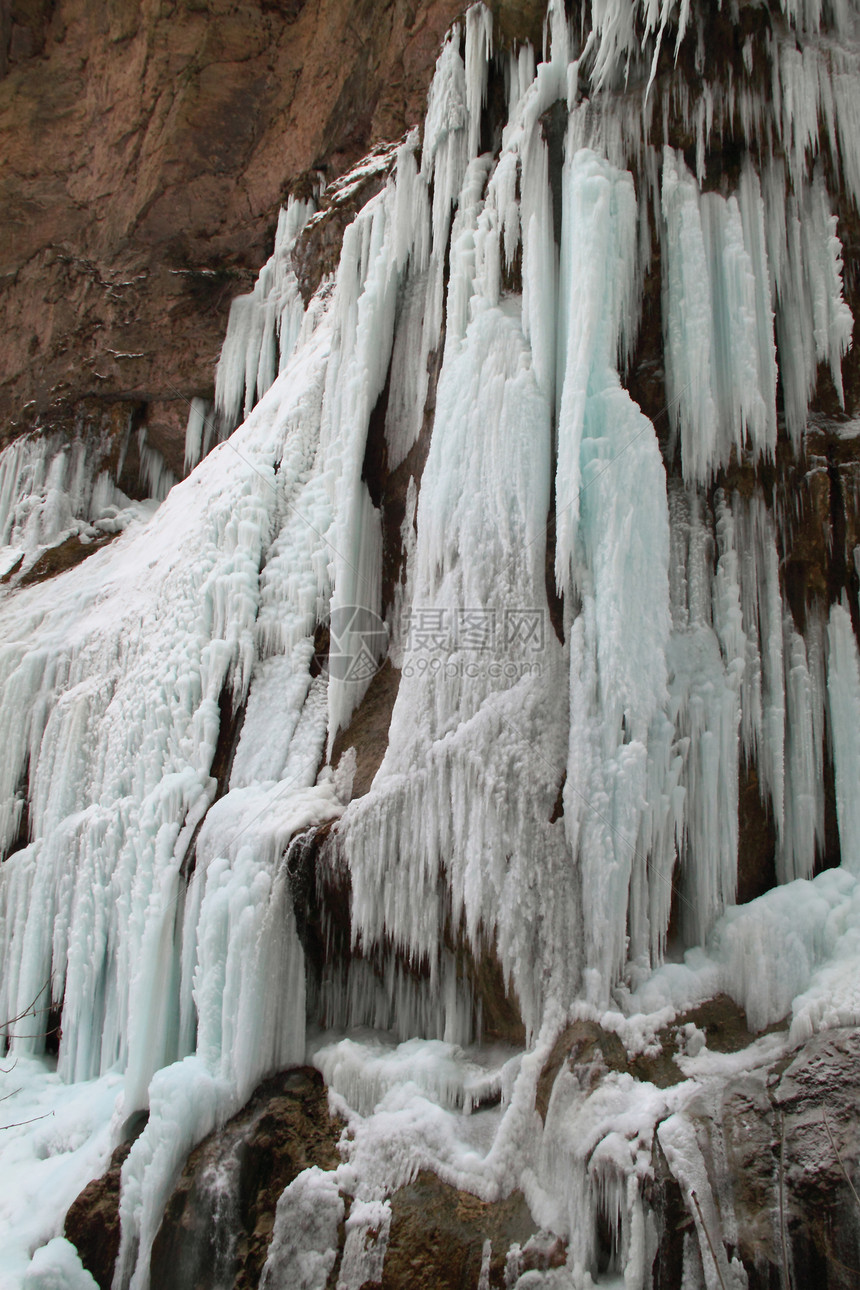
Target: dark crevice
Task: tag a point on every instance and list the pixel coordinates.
(606, 1242)
(831, 857)
(836, 573)
(558, 807)
(673, 1220)
(367, 732)
(320, 888)
(229, 728)
(646, 377)
(189, 860)
(795, 583)
(54, 1029)
(22, 837)
(842, 573)
(494, 111)
(374, 468)
(756, 839)
(555, 602)
(300, 865)
(394, 495)
(322, 644)
(675, 944)
(554, 129)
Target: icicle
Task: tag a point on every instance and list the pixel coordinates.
(843, 694)
(154, 472)
(721, 371)
(263, 326)
(617, 665)
(197, 414)
(479, 46)
(52, 489)
(151, 900)
(803, 835)
(813, 323)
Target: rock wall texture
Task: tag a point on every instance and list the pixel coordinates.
(779, 1146)
(144, 152)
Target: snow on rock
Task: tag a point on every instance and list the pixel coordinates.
(305, 1236)
(56, 1266)
(54, 1137)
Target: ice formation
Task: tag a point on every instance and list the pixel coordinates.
(261, 334)
(53, 490)
(591, 654)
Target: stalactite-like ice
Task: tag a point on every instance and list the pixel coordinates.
(51, 490)
(618, 643)
(721, 369)
(589, 658)
(263, 326)
(92, 908)
(198, 432)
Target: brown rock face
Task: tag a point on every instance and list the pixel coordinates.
(218, 1222)
(438, 1236)
(92, 1223)
(144, 151)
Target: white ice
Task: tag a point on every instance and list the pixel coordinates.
(645, 670)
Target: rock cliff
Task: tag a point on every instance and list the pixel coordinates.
(144, 152)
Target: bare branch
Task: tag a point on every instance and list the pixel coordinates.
(708, 1238)
(18, 1123)
(30, 1010)
(838, 1156)
(786, 1266)
(37, 1034)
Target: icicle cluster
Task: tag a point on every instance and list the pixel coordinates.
(52, 490)
(261, 334)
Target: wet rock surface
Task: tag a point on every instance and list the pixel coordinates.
(92, 1223)
(779, 1145)
(218, 1222)
(816, 1101)
(438, 1235)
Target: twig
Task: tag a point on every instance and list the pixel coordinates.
(37, 1034)
(30, 1010)
(839, 1157)
(708, 1237)
(18, 1123)
(785, 1264)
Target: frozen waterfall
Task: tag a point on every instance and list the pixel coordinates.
(586, 610)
